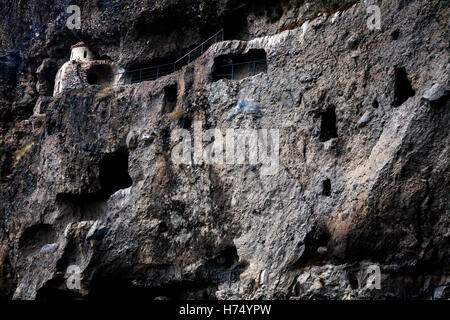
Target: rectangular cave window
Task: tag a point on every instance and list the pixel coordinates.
(170, 98)
(402, 87)
(326, 187)
(328, 128)
(237, 67)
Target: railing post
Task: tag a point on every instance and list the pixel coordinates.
(140, 75)
(189, 57)
(229, 279)
(254, 67)
(174, 66)
(232, 72)
(201, 50)
(157, 71)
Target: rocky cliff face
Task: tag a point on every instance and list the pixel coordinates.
(88, 179)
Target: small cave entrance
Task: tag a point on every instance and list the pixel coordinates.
(326, 187)
(318, 237)
(328, 128)
(99, 75)
(237, 67)
(170, 98)
(113, 173)
(402, 87)
(113, 176)
(375, 103)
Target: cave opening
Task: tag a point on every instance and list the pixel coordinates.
(317, 238)
(375, 104)
(402, 87)
(113, 176)
(395, 34)
(328, 128)
(113, 173)
(238, 15)
(170, 98)
(326, 187)
(240, 66)
(228, 258)
(99, 75)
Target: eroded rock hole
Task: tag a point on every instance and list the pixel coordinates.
(326, 187)
(114, 173)
(328, 128)
(237, 67)
(402, 87)
(375, 104)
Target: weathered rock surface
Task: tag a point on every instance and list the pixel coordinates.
(90, 180)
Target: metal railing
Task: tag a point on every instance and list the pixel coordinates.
(257, 66)
(158, 71)
(230, 273)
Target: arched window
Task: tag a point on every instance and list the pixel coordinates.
(85, 54)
